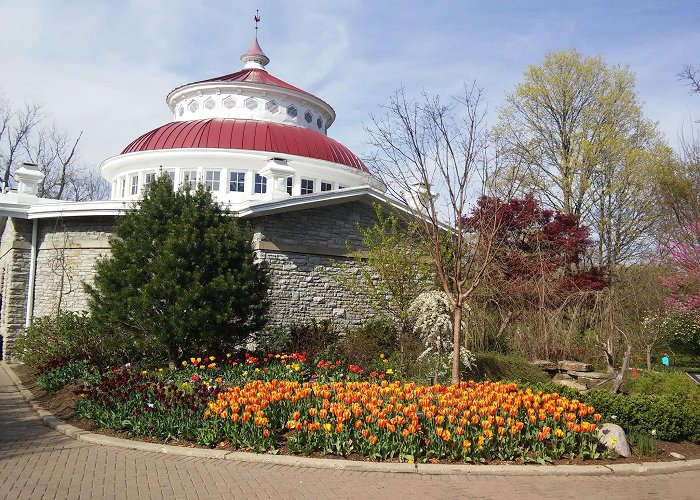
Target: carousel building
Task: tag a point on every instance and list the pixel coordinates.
(261, 146)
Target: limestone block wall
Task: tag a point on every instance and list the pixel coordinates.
(15, 245)
(302, 290)
(325, 229)
(300, 249)
(67, 252)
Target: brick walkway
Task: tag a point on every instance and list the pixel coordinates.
(37, 462)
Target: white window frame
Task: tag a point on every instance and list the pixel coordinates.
(239, 182)
(148, 179)
(212, 180)
(186, 176)
(307, 186)
(261, 183)
(134, 185)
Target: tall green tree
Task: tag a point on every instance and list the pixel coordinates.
(574, 132)
(181, 278)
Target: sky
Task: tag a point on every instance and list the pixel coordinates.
(104, 67)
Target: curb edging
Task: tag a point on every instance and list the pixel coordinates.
(634, 469)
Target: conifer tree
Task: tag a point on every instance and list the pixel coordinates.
(182, 277)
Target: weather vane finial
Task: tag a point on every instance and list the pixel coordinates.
(256, 18)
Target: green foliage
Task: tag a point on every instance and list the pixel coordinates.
(493, 366)
(684, 333)
(576, 137)
(391, 273)
(645, 443)
(671, 383)
(62, 337)
(671, 418)
(362, 345)
(181, 277)
(55, 378)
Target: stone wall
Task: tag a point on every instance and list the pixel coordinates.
(302, 290)
(68, 251)
(15, 247)
(331, 229)
(299, 248)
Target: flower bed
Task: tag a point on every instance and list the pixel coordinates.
(264, 403)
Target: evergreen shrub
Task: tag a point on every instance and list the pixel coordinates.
(671, 419)
(181, 278)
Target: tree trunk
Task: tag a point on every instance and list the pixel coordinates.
(457, 338)
(609, 359)
(505, 321)
(649, 357)
(617, 382)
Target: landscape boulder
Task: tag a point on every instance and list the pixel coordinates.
(543, 364)
(614, 437)
(575, 366)
(591, 375)
(573, 384)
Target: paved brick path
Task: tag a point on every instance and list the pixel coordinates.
(37, 462)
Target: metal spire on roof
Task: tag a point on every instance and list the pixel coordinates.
(255, 58)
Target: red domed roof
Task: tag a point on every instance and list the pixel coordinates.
(228, 133)
(250, 75)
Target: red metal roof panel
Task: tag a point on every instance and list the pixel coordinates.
(229, 133)
(250, 75)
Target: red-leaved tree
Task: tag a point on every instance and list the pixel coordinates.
(539, 265)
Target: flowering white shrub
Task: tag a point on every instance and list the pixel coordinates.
(431, 314)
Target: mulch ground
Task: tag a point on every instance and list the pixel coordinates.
(62, 402)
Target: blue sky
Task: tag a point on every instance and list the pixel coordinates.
(104, 67)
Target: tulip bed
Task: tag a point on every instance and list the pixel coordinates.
(264, 403)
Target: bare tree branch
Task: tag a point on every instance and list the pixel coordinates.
(690, 76)
(24, 138)
(434, 156)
